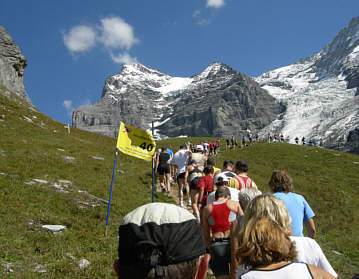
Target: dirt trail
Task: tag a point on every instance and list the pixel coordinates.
(175, 197)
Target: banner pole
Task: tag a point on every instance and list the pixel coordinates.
(153, 171)
(109, 199)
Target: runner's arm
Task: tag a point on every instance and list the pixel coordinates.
(186, 176)
(205, 225)
(235, 207)
(156, 162)
(239, 210)
(310, 225)
(200, 198)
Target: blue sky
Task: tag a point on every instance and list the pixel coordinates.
(72, 46)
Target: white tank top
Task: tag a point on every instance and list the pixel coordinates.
(289, 271)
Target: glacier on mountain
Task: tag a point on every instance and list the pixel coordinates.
(319, 93)
(310, 101)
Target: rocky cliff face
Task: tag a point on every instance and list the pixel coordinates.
(218, 102)
(12, 65)
(352, 144)
(320, 93)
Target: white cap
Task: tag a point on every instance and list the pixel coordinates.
(221, 177)
(199, 147)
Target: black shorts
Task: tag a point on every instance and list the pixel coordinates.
(220, 257)
(181, 175)
(194, 183)
(163, 169)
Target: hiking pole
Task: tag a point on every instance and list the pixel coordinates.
(153, 172)
(109, 199)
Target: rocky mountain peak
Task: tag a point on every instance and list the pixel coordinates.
(354, 23)
(342, 53)
(140, 77)
(139, 69)
(218, 101)
(12, 65)
(216, 69)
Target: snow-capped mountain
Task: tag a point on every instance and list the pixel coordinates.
(219, 101)
(319, 93)
(316, 98)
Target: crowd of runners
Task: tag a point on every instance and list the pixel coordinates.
(244, 233)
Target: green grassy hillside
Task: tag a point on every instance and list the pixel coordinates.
(33, 146)
(74, 175)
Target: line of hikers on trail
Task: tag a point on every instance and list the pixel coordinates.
(280, 138)
(235, 230)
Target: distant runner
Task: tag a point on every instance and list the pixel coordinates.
(199, 156)
(205, 187)
(164, 171)
(193, 175)
(179, 159)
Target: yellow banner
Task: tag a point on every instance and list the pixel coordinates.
(135, 142)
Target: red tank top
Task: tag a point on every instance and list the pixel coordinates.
(243, 182)
(221, 217)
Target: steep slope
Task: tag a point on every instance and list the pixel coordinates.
(219, 101)
(319, 93)
(12, 65)
(51, 177)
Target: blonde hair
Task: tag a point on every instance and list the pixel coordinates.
(268, 206)
(263, 242)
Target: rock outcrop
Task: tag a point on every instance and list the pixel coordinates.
(12, 65)
(218, 102)
(352, 144)
(341, 56)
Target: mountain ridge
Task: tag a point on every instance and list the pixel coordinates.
(140, 95)
(312, 98)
